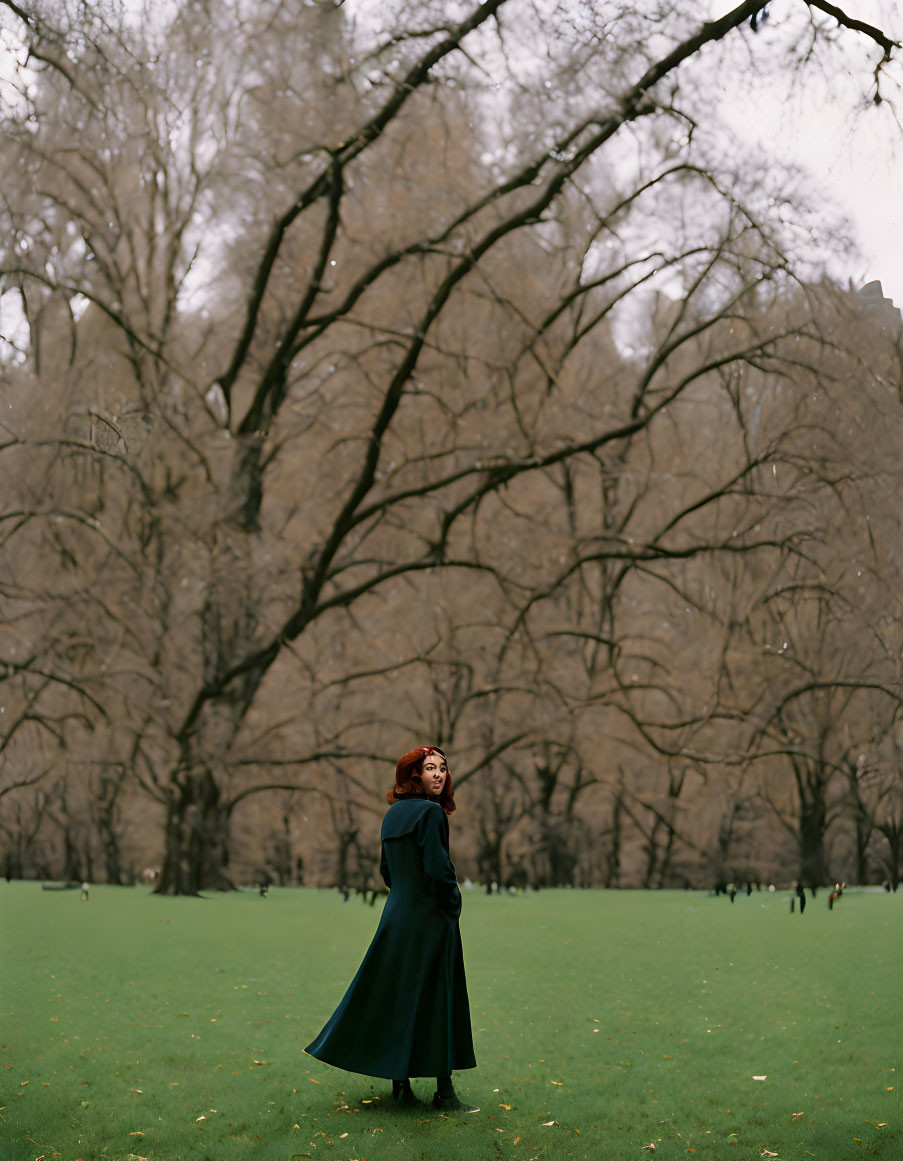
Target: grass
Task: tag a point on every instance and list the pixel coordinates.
(604, 1023)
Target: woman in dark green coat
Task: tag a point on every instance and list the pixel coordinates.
(406, 1012)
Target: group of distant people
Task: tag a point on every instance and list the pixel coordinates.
(800, 894)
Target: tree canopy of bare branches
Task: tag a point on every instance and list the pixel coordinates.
(374, 373)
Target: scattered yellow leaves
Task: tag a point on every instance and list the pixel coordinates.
(508, 1107)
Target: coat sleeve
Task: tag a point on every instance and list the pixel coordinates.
(432, 838)
(384, 867)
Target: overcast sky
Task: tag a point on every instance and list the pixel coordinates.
(829, 124)
(853, 148)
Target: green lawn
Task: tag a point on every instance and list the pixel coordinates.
(605, 1023)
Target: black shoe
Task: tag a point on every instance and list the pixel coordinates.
(452, 1104)
(403, 1095)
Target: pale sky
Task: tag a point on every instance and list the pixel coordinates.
(852, 148)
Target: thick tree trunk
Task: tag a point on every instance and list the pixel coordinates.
(345, 843)
(106, 829)
(197, 838)
(562, 850)
(613, 861)
(863, 839)
(651, 854)
(112, 861)
(813, 853)
(72, 863)
(489, 859)
(665, 866)
(280, 856)
(893, 860)
(197, 824)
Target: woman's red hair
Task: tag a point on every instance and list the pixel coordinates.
(407, 778)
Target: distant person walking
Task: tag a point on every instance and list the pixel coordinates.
(801, 895)
(406, 1011)
(85, 888)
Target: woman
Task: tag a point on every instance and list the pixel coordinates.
(406, 1013)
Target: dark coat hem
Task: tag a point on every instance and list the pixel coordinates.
(385, 1075)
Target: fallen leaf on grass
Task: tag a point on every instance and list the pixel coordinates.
(508, 1107)
(768, 1153)
(558, 1082)
(263, 1062)
(136, 1134)
(650, 1146)
(546, 1124)
(764, 1078)
(795, 1115)
(342, 1136)
(881, 1125)
(200, 1118)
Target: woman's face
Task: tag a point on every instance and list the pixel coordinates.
(434, 774)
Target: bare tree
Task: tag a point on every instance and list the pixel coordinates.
(318, 336)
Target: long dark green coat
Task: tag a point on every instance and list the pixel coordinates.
(406, 1012)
